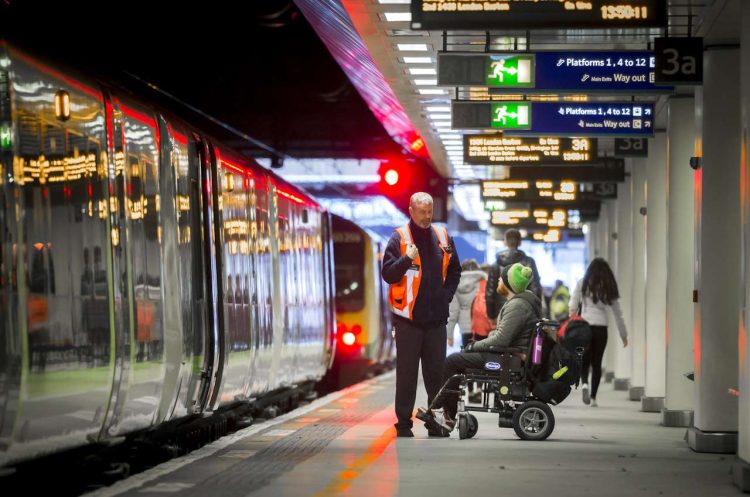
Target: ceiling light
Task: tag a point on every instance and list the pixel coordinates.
(442, 124)
(425, 82)
(452, 142)
(431, 91)
(417, 60)
(404, 2)
(440, 117)
(397, 16)
(412, 47)
(455, 148)
(422, 71)
(439, 108)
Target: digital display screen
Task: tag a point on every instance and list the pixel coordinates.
(607, 171)
(527, 191)
(559, 72)
(556, 118)
(524, 14)
(509, 150)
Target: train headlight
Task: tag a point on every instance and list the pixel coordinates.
(349, 338)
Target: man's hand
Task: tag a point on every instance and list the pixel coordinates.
(411, 251)
(625, 342)
(469, 346)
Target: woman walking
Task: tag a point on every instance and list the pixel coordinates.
(596, 292)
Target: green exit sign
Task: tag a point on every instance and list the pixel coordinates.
(511, 115)
(509, 71)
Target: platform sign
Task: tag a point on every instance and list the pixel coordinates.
(631, 147)
(559, 72)
(509, 150)
(679, 60)
(624, 119)
(524, 14)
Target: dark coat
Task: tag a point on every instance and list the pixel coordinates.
(494, 300)
(434, 296)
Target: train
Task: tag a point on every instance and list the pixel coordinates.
(152, 278)
(364, 329)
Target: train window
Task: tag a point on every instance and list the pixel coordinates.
(349, 261)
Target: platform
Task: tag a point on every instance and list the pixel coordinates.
(344, 444)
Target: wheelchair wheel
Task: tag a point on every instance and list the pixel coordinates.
(533, 420)
(463, 426)
(467, 426)
(473, 426)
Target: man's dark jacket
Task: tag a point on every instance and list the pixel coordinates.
(494, 300)
(434, 296)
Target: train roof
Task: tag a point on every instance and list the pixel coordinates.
(92, 84)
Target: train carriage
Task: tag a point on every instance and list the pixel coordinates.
(147, 273)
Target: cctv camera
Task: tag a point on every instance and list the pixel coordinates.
(695, 163)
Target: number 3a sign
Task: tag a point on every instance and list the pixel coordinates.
(679, 60)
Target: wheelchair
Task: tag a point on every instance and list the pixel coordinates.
(507, 385)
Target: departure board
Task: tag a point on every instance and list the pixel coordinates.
(483, 150)
(525, 14)
(607, 171)
(528, 191)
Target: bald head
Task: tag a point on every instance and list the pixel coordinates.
(420, 209)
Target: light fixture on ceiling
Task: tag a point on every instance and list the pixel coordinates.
(431, 91)
(417, 60)
(412, 47)
(452, 142)
(397, 16)
(401, 2)
(438, 108)
(422, 71)
(425, 82)
(437, 116)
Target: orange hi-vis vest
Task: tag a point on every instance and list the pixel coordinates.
(402, 295)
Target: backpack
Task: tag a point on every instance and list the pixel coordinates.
(480, 324)
(574, 337)
(565, 362)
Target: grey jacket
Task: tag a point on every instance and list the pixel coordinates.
(460, 308)
(514, 324)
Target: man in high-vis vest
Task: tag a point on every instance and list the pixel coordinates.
(422, 268)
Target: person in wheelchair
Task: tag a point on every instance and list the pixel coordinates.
(515, 324)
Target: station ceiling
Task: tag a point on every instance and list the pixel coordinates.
(262, 71)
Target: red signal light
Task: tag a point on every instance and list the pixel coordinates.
(391, 177)
(348, 338)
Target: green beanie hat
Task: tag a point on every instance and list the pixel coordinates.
(517, 277)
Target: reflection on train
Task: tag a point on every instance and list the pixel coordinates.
(148, 274)
(364, 344)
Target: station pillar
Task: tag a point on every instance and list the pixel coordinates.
(656, 274)
(678, 402)
(637, 330)
(741, 469)
(624, 233)
(717, 252)
(610, 353)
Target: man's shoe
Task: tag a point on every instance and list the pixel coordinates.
(586, 396)
(423, 415)
(404, 433)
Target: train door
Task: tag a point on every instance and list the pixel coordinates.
(329, 290)
(214, 339)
